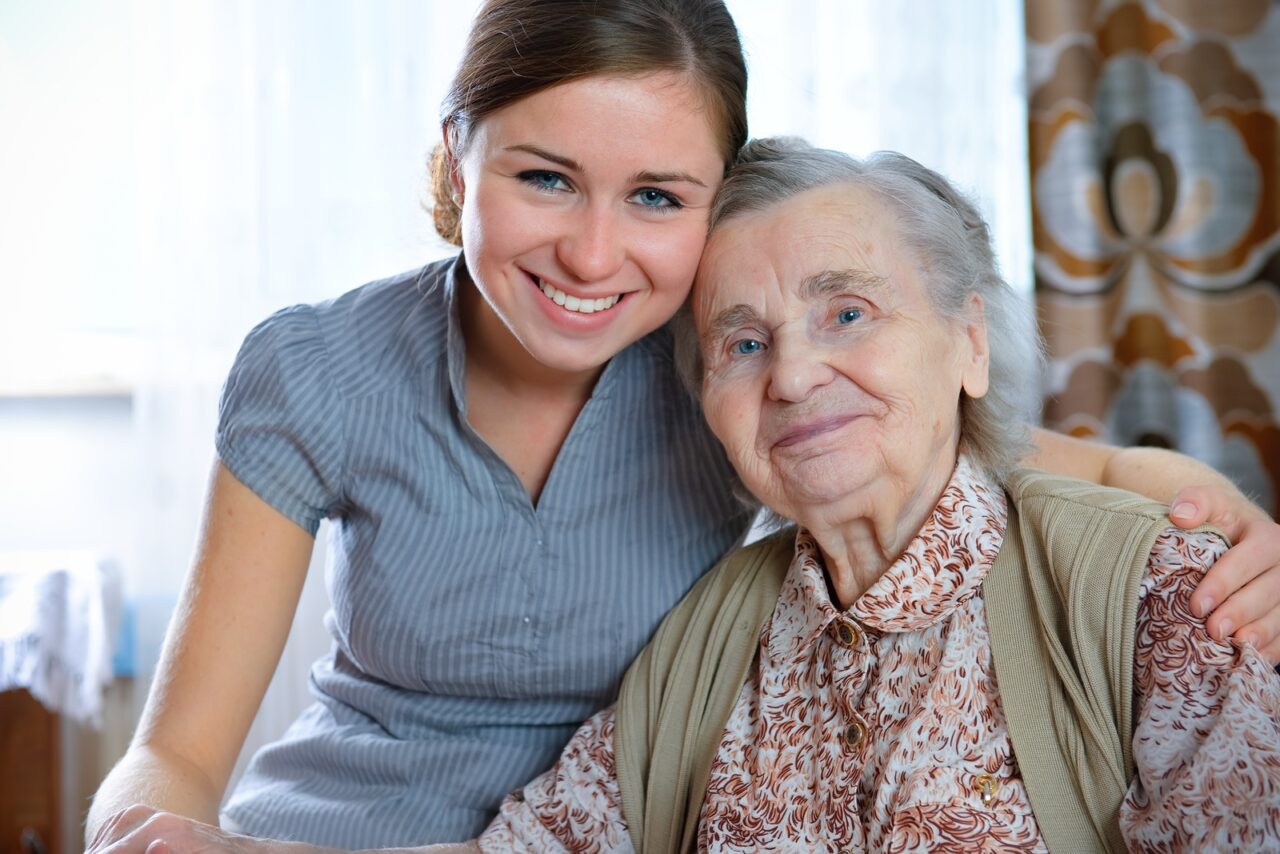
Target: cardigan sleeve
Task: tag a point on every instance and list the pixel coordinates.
(1207, 741)
(575, 806)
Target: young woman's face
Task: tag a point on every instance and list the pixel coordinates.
(585, 211)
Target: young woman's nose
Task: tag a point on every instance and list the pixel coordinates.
(797, 367)
(592, 247)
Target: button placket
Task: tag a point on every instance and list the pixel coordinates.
(850, 660)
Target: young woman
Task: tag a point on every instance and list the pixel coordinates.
(519, 486)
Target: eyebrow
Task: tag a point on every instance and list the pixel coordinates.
(830, 283)
(733, 317)
(645, 177)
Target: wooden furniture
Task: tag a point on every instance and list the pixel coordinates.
(30, 817)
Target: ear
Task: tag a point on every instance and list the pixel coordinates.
(976, 367)
(448, 139)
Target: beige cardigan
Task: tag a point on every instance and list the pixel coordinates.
(1062, 601)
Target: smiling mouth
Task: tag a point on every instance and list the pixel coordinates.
(805, 432)
(576, 304)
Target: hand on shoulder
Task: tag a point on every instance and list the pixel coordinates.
(1240, 594)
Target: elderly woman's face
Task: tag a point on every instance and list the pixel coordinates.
(829, 376)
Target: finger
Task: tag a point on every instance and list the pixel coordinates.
(1271, 652)
(1261, 632)
(1253, 600)
(158, 846)
(1191, 507)
(121, 824)
(1222, 584)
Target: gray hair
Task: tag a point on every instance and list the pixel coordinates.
(953, 247)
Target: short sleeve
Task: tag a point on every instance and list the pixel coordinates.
(280, 418)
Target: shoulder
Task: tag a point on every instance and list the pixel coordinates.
(1039, 489)
(1175, 565)
(384, 330)
(378, 333)
(757, 567)
(1077, 516)
(372, 309)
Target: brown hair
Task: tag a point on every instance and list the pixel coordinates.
(520, 47)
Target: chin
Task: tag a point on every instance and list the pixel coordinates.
(821, 483)
(574, 360)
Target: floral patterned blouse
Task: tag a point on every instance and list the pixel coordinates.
(879, 728)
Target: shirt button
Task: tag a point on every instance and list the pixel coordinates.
(987, 786)
(854, 735)
(846, 634)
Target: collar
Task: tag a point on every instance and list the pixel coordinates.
(941, 568)
(455, 348)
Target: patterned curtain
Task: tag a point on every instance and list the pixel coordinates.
(1155, 169)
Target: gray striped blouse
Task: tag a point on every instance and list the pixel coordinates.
(472, 631)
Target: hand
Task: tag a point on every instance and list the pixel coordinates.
(143, 830)
(1242, 590)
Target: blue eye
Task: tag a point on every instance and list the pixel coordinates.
(651, 198)
(848, 315)
(747, 346)
(546, 181)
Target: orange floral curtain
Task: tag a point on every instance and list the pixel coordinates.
(1155, 170)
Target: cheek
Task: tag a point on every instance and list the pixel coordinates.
(714, 410)
(670, 258)
(495, 230)
(733, 421)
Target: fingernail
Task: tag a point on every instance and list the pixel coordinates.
(1203, 606)
(1225, 628)
(1183, 509)
(1250, 638)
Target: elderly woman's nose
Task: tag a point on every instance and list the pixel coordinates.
(796, 369)
(592, 246)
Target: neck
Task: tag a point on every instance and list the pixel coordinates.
(861, 535)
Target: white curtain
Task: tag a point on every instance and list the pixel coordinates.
(180, 170)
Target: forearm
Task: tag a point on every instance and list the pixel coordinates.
(268, 846)
(142, 830)
(1154, 472)
(1160, 474)
(158, 779)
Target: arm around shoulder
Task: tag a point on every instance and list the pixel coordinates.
(222, 646)
(1154, 472)
(1241, 593)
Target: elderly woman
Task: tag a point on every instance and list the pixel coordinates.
(946, 653)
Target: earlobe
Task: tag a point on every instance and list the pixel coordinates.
(975, 378)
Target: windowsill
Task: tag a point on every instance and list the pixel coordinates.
(69, 388)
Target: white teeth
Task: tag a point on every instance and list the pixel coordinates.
(572, 303)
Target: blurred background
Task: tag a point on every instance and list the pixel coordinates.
(171, 173)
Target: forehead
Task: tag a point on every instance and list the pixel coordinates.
(833, 228)
(605, 119)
